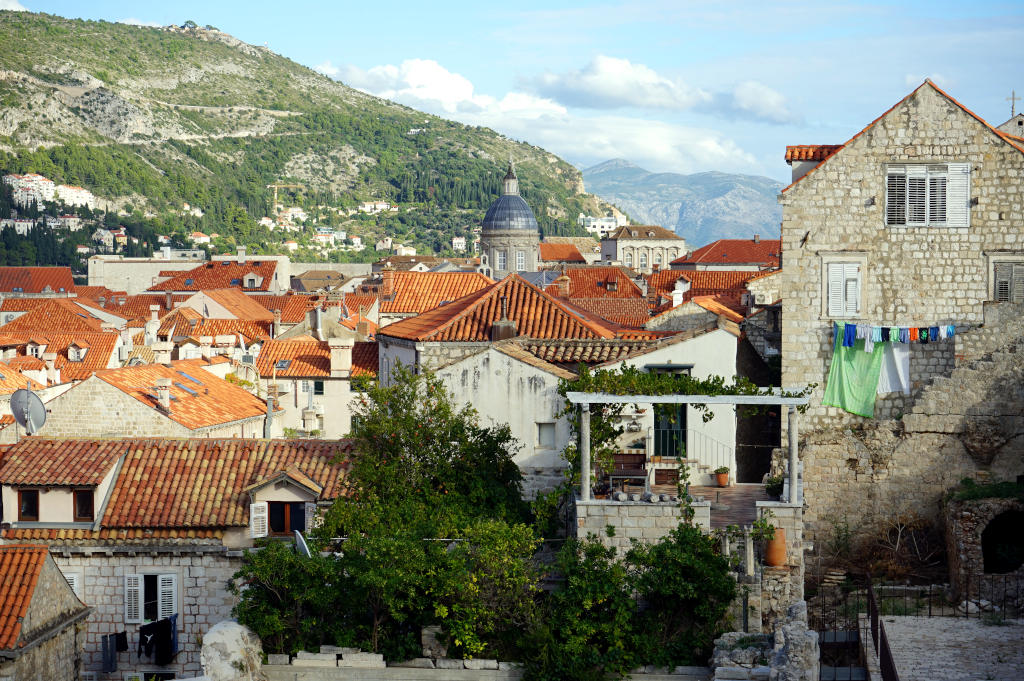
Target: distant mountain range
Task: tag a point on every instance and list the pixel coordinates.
(700, 208)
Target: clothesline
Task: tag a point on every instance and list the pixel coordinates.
(871, 334)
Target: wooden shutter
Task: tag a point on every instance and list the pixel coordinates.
(851, 289)
(75, 582)
(133, 599)
(958, 195)
(1017, 285)
(896, 197)
(937, 200)
(917, 195)
(313, 519)
(1003, 276)
(835, 289)
(259, 519)
(167, 595)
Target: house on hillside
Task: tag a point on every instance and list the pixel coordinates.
(913, 224)
(149, 531)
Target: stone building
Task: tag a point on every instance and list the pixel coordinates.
(509, 235)
(42, 620)
(149, 528)
(917, 221)
(644, 248)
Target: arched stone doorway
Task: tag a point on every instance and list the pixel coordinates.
(1002, 543)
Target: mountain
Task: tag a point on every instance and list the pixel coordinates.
(151, 118)
(701, 207)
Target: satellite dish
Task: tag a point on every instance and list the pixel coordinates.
(300, 544)
(28, 410)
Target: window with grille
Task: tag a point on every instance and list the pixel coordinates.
(643, 260)
(935, 195)
(501, 258)
(628, 260)
(1008, 280)
(520, 261)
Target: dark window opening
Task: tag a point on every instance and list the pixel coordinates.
(28, 505)
(150, 598)
(285, 517)
(1002, 544)
(318, 387)
(83, 506)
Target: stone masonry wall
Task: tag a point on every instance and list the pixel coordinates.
(56, 659)
(94, 408)
(918, 445)
(634, 519)
(965, 522)
(203, 600)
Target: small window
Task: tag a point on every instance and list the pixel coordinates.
(189, 282)
(643, 261)
(501, 258)
(628, 260)
(282, 364)
(318, 387)
(84, 506)
(284, 517)
(844, 286)
(28, 505)
(545, 435)
(520, 261)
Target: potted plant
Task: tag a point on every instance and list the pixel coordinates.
(773, 486)
(722, 476)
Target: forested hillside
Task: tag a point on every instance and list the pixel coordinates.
(149, 119)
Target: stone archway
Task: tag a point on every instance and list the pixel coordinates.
(1002, 543)
(973, 524)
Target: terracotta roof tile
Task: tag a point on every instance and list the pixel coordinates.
(598, 282)
(765, 252)
(36, 280)
(101, 349)
(12, 379)
(307, 359)
(560, 253)
(365, 359)
(205, 402)
(94, 293)
(718, 306)
(220, 274)
(416, 292)
(810, 152)
(537, 315)
(294, 306)
(71, 463)
(238, 304)
(137, 307)
(20, 567)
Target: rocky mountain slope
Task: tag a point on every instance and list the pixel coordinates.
(700, 207)
(162, 116)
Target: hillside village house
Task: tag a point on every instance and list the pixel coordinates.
(915, 223)
(149, 531)
(644, 248)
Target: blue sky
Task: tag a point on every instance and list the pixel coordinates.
(672, 86)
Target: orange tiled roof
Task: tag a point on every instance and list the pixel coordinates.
(307, 358)
(810, 152)
(625, 311)
(26, 362)
(764, 252)
(202, 401)
(12, 379)
(59, 314)
(561, 253)
(101, 348)
(239, 304)
(189, 487)
(294, 306)
(20, 567)
(137, 307)
(598, 282)
(365, 359)
(718, 306)
(570, 353)
(219, 274)
(74, 463)
(36, 279)
(94, 293)
(536, 314)
(184, 322)
(928, 82)
(642, 232)
(415, 292)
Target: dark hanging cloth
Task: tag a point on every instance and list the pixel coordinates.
(147, 639)
(122, 642)
(108, 653)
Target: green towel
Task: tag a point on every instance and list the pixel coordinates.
(853, 376)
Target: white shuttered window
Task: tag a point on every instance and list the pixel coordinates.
(133, 599)
(936, 195)
(1009, 282)
(167, 603)
(259, 513)
(844, 283)
(150, 597)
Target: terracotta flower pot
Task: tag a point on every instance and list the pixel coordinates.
(775, 549)
(722, 479)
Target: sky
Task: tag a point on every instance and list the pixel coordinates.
(670, 85)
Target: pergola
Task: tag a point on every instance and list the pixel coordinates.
(584, 400)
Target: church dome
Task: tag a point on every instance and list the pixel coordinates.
(510, 211)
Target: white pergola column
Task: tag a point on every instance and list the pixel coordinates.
(584, 452)
(794, 459)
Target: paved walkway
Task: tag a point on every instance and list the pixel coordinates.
(955, 649)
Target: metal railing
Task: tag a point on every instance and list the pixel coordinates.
(885, 662)
(694, 445)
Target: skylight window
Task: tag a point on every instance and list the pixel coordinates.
(190, 391)
(194, 380)
(189, 282)
(236, 282)
(282, 364)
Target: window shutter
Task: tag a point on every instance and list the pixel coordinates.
(936, 200)
(313, 519)
(851, 289)
(133, 599)
(917, 194)
(167, 588)
(1017, 287)
(958, 195)
(1003, 276)
(258, 519)
(835, 289)
(896, 198)
(75, 582)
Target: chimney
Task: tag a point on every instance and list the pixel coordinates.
(163, 393)
(162, 352)
(241, 255)
(757, 238)
(341, 357)
(504, 328)
(168, 302)
(309, 420)
(680, 288)
(387, 282)
(154, 313)
(52, 376)
(363, 328)
(268, 422)
(564, 285)
(277, 323)
(206, 347)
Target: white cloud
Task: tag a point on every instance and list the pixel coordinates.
(327, 68)
(13, 6)
(138, 22)
(657, 145)
(761, 101)
(609, 82)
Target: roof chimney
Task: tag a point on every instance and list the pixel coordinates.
(564, 285)
(268, 422)
(387, 282)
(504, 328)
(757, 238)
(241, 255)
(154, 313)
(52, 376)
(163, 393)
(277, 323)
(162, 352)
(341, 356)
(168, 301)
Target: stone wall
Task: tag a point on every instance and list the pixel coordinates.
(58, 658)
(203, 599)
(965, 522)
(685, 317)
(645, 520)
